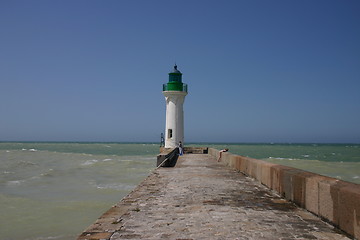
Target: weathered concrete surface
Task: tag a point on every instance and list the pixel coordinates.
(202, 199)
(336, 201)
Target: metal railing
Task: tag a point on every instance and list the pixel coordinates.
(169, 159)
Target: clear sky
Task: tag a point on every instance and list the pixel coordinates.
(257, 71)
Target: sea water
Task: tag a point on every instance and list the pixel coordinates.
(56, 190)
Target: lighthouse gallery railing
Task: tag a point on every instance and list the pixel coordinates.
(184, 87)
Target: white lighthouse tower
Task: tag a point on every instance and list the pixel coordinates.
(174, 91)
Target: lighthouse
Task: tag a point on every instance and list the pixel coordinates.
(174, 91)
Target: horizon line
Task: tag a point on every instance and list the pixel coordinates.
(188, 143)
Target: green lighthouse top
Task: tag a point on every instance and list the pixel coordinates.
(175, 75)
(175, 81)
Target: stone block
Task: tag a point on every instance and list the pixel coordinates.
(213, 152)
(299, 186)
(312, 192)
(243, 164)
(266, 174)
(255, 170)
(349, 208)
(225, 157)
(280, 183)
(238, 160)
(329, 200)
(251, 166)
(286, 183)
(232, 160)
(247, 167)
(254, 167)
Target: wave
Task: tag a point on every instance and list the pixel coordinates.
(55, 237)
(30, 150)
(27, 163)
(94, 161)
(280, 158)
(89, 162)
(49, 173)
(116, 186)
(147, 158)
(15, 182)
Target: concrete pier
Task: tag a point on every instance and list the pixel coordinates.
(201, 198)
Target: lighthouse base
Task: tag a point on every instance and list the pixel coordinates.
(168, 157)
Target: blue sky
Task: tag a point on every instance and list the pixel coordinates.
(257, 71)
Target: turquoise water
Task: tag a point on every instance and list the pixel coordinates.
(56, 190)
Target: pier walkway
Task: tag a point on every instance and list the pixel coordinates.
(203, 199)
